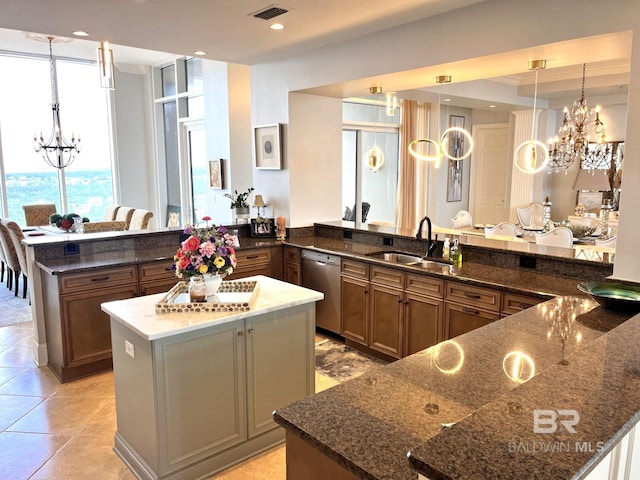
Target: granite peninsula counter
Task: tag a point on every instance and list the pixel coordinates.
(195, 391)
(567, 353)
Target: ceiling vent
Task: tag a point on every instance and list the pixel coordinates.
(270, 12)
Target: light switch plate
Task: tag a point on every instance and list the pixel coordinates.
(129, 349)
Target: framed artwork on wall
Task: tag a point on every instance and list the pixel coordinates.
(267, 146)
(454, 167)
(215, 174)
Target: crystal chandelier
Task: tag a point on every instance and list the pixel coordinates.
(57, 151)
(573, 141)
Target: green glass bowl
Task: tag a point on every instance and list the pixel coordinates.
(613, 295)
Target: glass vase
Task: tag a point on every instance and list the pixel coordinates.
(197, 289)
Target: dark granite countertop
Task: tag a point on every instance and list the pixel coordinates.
(370, 424)
(515, 281)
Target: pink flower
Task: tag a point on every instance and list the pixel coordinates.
(207, 249)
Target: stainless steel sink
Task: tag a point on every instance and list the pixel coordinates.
(402, 258)
(396, 257)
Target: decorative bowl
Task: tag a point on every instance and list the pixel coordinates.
(616, 296)
(580, 230)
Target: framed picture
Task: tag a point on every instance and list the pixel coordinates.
(454, 167)
(262, 227)
(267, 147)
(215, 174)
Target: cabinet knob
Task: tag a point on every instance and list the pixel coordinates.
(366, 291)
(251, 330)
(241, 333)
(406, 303)
(523, 306)
(399, 300)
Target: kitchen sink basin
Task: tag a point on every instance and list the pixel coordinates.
(412, 260)
(396, 257)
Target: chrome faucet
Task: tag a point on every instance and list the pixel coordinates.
(431, 245)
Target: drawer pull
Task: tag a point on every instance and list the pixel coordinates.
(523, 306)
(168, 269)
(251, 257)
(470, 310)
(472, 295)
(100, 279)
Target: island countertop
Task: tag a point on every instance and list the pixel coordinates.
(139, 314)
(370, 424)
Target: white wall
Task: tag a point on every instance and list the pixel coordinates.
(403, 48)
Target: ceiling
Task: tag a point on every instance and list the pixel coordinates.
(145, 32)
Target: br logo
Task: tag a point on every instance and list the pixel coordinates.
(546, 421)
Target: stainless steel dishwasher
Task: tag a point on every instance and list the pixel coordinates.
(321, 272)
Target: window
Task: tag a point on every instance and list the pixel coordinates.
(373, 194)
(86, 186)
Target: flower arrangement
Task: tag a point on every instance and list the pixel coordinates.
(206, 250)
(239, 200)
(65, 222)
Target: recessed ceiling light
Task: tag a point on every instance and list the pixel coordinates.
(199, 52)
(81, 33)
(277, 26)
(492, 106)
(446, 99)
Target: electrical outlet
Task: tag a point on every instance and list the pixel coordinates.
(71, 248)
(129, 349)
(387, 241)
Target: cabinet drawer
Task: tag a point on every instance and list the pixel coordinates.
(486, 298)
(291, 254)
(156, 271)
(514, 303)
(97, 279)
(355, 269)
(423, 285)
(387, 277)
(262, 255)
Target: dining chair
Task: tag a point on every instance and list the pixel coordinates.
(462, 219)
(124, 214)
(502, 229)
(38, 214)
(110, 226)
(558, 237)
(3, 263)
(16, 259)
(110, 213)
(609, 242)
(140, 219)
(531, 216)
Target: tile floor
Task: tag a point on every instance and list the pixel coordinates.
(57, 431)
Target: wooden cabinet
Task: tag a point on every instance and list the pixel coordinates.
(514, 303)
(390, 311)
(191, 404)
(78, 332)
(292, 269)
(468, 307)
(258, 261)
(156, 277)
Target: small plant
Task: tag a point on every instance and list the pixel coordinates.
(239, 200)
(65, 221)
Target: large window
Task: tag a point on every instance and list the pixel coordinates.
(86, 186)
(370, 193)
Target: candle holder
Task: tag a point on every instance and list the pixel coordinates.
(281, 228)
(605, 209)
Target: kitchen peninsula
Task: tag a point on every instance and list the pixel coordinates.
(195, 390)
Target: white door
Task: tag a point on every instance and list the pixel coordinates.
(489, 173)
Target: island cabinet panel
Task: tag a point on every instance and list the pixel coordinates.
(78, 335)
(423, 318)
(514, 303)
(191, 404)
(460, 319)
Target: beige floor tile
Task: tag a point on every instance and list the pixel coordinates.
(63, 416)
(270, 465)
(83, 458)
(21, 356)
(17, 335)
(97, 386)
(13, 407)
(37, 382)
(7, 373)
(103, 424)
(21, 454)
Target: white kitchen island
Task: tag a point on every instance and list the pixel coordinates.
(195, 392)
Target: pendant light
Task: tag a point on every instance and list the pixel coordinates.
(375, 157)
(532, 155)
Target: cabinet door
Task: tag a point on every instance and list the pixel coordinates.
(460, 319)
(280, 363)
(423, 319)
(354, 308)
(386, 320)
(514, 303)
(292, 270)
(86, 328)
(201, 394)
